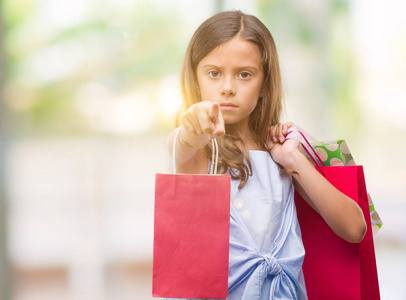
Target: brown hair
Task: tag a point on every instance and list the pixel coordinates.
(213, 32)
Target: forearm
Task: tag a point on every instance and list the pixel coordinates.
(186, 150)
(340, 212)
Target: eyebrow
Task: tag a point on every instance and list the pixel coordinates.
(240, 68)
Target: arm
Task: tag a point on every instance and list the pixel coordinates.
(201, 122)
(340, 212)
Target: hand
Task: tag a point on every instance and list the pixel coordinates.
(200, 123)
(277, 133)
(282, 150)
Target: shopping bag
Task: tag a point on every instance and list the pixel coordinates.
(337, 153)
(333, 153)
(334, 268)
(191, 235)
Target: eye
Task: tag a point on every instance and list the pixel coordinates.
(214, 74)
(244, 75)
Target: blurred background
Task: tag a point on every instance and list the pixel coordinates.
(89, 92)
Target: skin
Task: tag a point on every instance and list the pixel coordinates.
(232, 76)
(230, 81)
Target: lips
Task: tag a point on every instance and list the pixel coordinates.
(227, 106)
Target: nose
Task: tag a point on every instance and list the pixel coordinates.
(228, 87)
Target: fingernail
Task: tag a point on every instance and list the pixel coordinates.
(274, 139)
(281, 140)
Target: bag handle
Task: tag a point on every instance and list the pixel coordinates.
(214, 155)
(308, 153)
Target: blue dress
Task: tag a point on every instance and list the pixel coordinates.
(266, 249)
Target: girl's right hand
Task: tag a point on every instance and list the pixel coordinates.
(200, 123)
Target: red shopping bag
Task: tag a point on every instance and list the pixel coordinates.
(334, 268)
(191, 236)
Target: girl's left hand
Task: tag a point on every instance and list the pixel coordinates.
(282, 150)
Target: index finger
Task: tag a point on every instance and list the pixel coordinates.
(214, 111)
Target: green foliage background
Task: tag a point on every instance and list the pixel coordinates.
(122, 48)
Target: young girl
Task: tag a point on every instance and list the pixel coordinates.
(232, 91)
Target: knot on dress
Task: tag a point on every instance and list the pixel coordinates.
(272, 265)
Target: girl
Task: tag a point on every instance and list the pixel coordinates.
(232, 91)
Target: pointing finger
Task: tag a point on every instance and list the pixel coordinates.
(219, 129)
(214, 112)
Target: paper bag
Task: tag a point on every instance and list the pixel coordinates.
(191, 236)
(333, 268)
(334, 153)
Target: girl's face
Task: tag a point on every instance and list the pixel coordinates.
(232, 76)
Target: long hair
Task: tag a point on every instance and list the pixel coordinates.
(213, 32)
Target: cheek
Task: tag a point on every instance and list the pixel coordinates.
(255, 91)
(201, 85)
(202, 91)
(206, 89)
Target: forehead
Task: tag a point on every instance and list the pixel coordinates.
(236, 52)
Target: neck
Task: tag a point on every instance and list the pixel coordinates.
(247, 137)
(245, 134)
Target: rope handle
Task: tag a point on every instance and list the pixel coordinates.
(214, 155)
